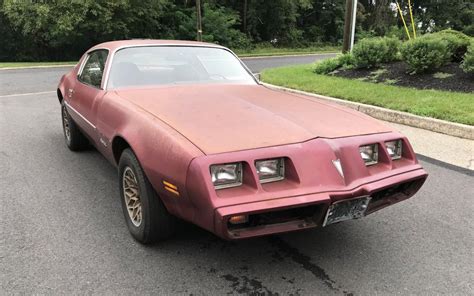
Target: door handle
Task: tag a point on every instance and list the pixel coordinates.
(70, 92)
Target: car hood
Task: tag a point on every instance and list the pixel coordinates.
(224, 118)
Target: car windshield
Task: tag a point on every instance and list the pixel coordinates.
(161, 65)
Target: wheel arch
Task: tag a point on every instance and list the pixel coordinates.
(60, 96)
(119, 144)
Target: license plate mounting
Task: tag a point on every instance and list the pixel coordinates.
(347, 209)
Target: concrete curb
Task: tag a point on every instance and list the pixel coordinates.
(287, 55)
(37, 67)
(427, 123)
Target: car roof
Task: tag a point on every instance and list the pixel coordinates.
(113, 45)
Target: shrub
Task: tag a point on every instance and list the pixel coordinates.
(452, 32)
(328, 65)
(346, 61)
(425, 54)
(369, 52)
(468, 63)
(457, 42)
(393, 47)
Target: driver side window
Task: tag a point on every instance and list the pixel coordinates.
(94, 68)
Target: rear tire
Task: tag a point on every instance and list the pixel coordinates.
(75, 140)
(145, 214)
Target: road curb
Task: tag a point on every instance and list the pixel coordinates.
(287, 55)
(37, 67)
(427, 123)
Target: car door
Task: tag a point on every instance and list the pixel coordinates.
(83, 97)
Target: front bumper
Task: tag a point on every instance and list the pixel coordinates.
(312, 183)
(308, 211)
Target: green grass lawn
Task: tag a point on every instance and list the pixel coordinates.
(451, 106)
(32, 64)
(273, 51)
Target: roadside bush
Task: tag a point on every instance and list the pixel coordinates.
(326, 66)
(369, 52)
(393, 47)
(425, 54)
(457, 42)
(468, 63)
(452, 32)
(346, 61)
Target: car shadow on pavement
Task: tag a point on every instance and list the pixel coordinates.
(245, 266)
(240, 262)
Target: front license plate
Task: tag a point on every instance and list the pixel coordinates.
(347, 210)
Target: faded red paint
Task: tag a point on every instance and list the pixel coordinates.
(177, 132)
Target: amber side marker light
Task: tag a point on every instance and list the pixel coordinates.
(239, 219)
(171, 187)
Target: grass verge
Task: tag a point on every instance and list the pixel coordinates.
(450, 106)
(32, 64)
(274, 51)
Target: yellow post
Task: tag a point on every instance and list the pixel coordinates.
(412, 21)
(403, 20)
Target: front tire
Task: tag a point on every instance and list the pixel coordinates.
(145, 214)
(75, 140)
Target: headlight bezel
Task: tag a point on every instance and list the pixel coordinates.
(280, 170)
(398, 149)
(372, 160)
(229, 184)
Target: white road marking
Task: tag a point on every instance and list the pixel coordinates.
(28, 94)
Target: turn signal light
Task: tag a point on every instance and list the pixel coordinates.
(239, 219)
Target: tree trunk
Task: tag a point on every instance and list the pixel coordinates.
(244, 17)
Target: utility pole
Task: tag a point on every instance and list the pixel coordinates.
(353, 23)
(198, 20)
(349, 25)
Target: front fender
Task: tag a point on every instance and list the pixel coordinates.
(163, 153)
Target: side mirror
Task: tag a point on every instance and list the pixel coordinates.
(257, 76)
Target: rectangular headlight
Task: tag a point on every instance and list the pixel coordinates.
(226, 175)
(369, 153)
(270, 170)
(394, 149)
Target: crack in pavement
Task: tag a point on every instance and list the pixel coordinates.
(244, 285)
(305, 261)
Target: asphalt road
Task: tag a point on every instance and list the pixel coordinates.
(63, 232)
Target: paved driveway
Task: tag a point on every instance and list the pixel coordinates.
(62, 229)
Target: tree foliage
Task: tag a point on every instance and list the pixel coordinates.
(63, 29)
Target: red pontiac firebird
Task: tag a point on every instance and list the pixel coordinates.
(195, 136)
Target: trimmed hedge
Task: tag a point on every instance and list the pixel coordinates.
(457, 42)
(371, 52)
(468, 63)
(393, 48)
(346, 60)
(328, 65)
(425, 54)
